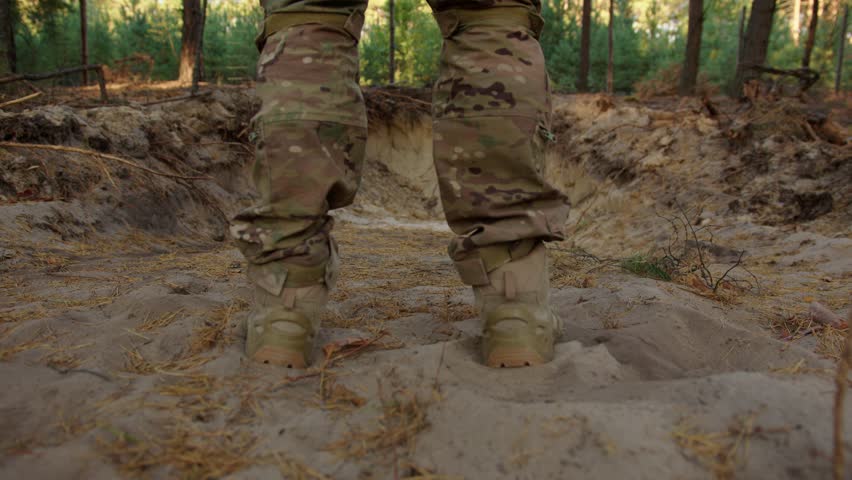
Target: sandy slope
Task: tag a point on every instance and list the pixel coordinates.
(120, 350)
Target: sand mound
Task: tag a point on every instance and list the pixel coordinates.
(121, 310)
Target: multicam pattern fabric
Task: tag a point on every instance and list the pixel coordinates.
(491, 112)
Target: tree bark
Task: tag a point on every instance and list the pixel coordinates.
(84, 40)
(838, 74)
(689, 74)
(392, 45)
(7, 37)
(755, 43)
(585, 42)
(191, 35)
(196, 69)
(796, 21)
(610, 74)
(809, 43)
(741, 36)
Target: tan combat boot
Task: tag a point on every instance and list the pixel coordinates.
(286, 316)
(511, 286)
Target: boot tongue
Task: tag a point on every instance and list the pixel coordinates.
(509, 286)
(288, 297)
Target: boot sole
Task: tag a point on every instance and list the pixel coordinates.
(514, 358)
(283, 357)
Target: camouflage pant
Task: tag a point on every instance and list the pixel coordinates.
(491, 115)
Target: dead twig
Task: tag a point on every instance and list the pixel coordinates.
(92, 153)
(191, 96)
(722, 278)
(65, 371)
(440, 364)
(20, 100)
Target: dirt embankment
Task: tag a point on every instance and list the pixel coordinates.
(121, 305)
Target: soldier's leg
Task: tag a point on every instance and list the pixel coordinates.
(491, 124)
(312, 132)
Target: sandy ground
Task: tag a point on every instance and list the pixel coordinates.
(121, 340)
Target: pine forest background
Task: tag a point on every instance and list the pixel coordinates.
(649, 39)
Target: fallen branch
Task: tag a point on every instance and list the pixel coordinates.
(20, 100)
(99, 69)
(179, 98)
(92, 153)
(806, 76)
(808, 128)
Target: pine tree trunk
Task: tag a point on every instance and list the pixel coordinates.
(7, 38)
(838, 74)
(585, 42)
(809, 43)
(392, 45)
(689, 74)
(610, 74)
(84, 40)
(796, 21)
(191, 34)
(755, 43)
(196, 70)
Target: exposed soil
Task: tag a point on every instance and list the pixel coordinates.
(696, 244)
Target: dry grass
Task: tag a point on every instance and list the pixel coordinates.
(129, 242)
(73, 427)
(611, 323)
(419, 473)
(11, 286)
(719, 452)
(336, 396)
(62, 360)
(135, 363)
(91, 302)
(387, 258)
(151, 323)
(337, 320)
(403, 417)
(51, 261)
(212, 331)
(213, 265)
(42, 339)
(195, 397)
(249, 408)
(295, 470)
(187, 450)
(800, 368)
(451, 312)
(13, 315)
(831, 341)
(194, 385)
(381, 308)
(794, 326)
(791, 326)
(723, 453)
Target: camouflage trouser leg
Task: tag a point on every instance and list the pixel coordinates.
(312, 134)
(491, 124)
(491, 112)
